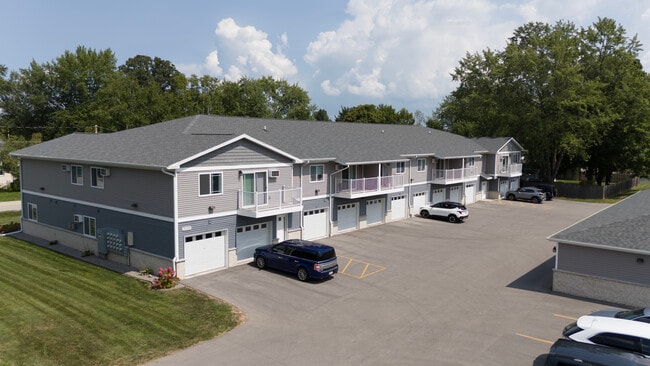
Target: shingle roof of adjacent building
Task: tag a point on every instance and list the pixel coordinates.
(493, 144)
(163, 144)
(624, 226)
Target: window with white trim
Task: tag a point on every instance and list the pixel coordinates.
(401, 167)
(422, 165)
(97, 177)
(316, 173)
(210, 184)
(32, 212)
(77, 174)
(90, 226)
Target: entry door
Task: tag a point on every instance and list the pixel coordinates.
(254, 189)
(280, 227)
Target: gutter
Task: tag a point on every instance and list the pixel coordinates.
(175, 193)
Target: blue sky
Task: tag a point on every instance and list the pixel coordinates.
(342, 52)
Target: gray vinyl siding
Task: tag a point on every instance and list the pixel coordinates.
(415, 176)
(238, 153)
(191, 204)
(489, 165)
(604, 263)
(149, 234)
(150, 190)
(309, 188)
(510, 147)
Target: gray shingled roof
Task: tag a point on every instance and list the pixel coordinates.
(624, 226)
(493, 144)
(163, 144)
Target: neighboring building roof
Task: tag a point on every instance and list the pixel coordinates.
(162, 145)
(495, 144)
(624, 226)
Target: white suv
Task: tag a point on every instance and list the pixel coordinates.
(452, 211)
(612, 332)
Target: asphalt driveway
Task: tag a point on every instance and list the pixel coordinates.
(413, 292)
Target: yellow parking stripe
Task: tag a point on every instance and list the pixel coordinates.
(535, 339)
(364, 272)
(565, 317)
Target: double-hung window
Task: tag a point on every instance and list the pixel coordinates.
(77, 176)
(32, 212)
(97, 177)
(90, 226)
(400, 167)
(210, 184)
(316, 173)
(422, 165)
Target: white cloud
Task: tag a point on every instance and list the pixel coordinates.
(329, 89)
(253, 52)
(212, 64)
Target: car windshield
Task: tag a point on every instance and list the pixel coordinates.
(630, 314)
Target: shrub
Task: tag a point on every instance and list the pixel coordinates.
(166, 278)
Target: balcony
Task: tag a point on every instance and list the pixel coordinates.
(510, 170)
(451, 176)
(269, 203)
(365, 187)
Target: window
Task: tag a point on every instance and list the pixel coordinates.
(316, 173)
(469, 162)
(89, 226)
(422, 165)
(97, 177)
(210, 184)
(32, 212)
(77, 174)
(400, 167)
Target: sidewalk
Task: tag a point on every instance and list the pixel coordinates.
(10, 206)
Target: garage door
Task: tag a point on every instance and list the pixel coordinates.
(205, 252)
(470, 193)
(419, 200)
(398, 207)
(347, 216)
(438, 195)
(375, 211)
(250, 237)
(503, 188)
(314, 224)
(514, 184)
(454, 194)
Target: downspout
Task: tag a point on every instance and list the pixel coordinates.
(302, 192)
(175, 189)
(331, 196)
(410, 198)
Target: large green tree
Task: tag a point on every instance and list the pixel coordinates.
(370, 113)
(541, 89)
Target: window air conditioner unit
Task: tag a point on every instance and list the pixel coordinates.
(274, 173)
(105, 172)
(77, 218)
(65, 167)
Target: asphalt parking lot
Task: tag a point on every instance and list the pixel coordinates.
(413, 292)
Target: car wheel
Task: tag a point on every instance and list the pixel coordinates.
(424, 213)
(452, 218)
(260, 262)
(302, 274)
(511, 197)
(536, 200)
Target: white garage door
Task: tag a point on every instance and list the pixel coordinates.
(314, 224)
(375, 211)
(398, 207)
(250, 237)
(205, 252)
(503, 188)
(514, 184)
(419, 200)
(454, 194)
(347, 216)
(470, 193)
(438, 195)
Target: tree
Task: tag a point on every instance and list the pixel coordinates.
(369, 113)
(13, 143)
(540, 90)
(321, 115)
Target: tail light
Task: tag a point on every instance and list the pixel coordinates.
(317, 267)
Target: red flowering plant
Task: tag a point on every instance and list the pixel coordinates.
(166, 278)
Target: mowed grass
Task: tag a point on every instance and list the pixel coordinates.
(6, 196)
(56, 310)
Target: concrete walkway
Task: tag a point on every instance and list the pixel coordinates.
(10, 206)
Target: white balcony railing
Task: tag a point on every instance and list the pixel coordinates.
(270, 200)
(368, 185)
(510, 169)
(446, 176)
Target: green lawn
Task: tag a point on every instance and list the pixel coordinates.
(9, 216)
(9, 195)
(56, 310)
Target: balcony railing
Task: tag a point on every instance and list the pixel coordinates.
(260, 204)
(447, 176)
(510, 169)
(367, 186)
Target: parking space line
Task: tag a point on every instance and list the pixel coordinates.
(359, 269)
(535, 338)
(565, 317)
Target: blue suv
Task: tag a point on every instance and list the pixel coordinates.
(304, 258)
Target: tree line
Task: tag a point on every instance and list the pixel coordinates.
(573, 97)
